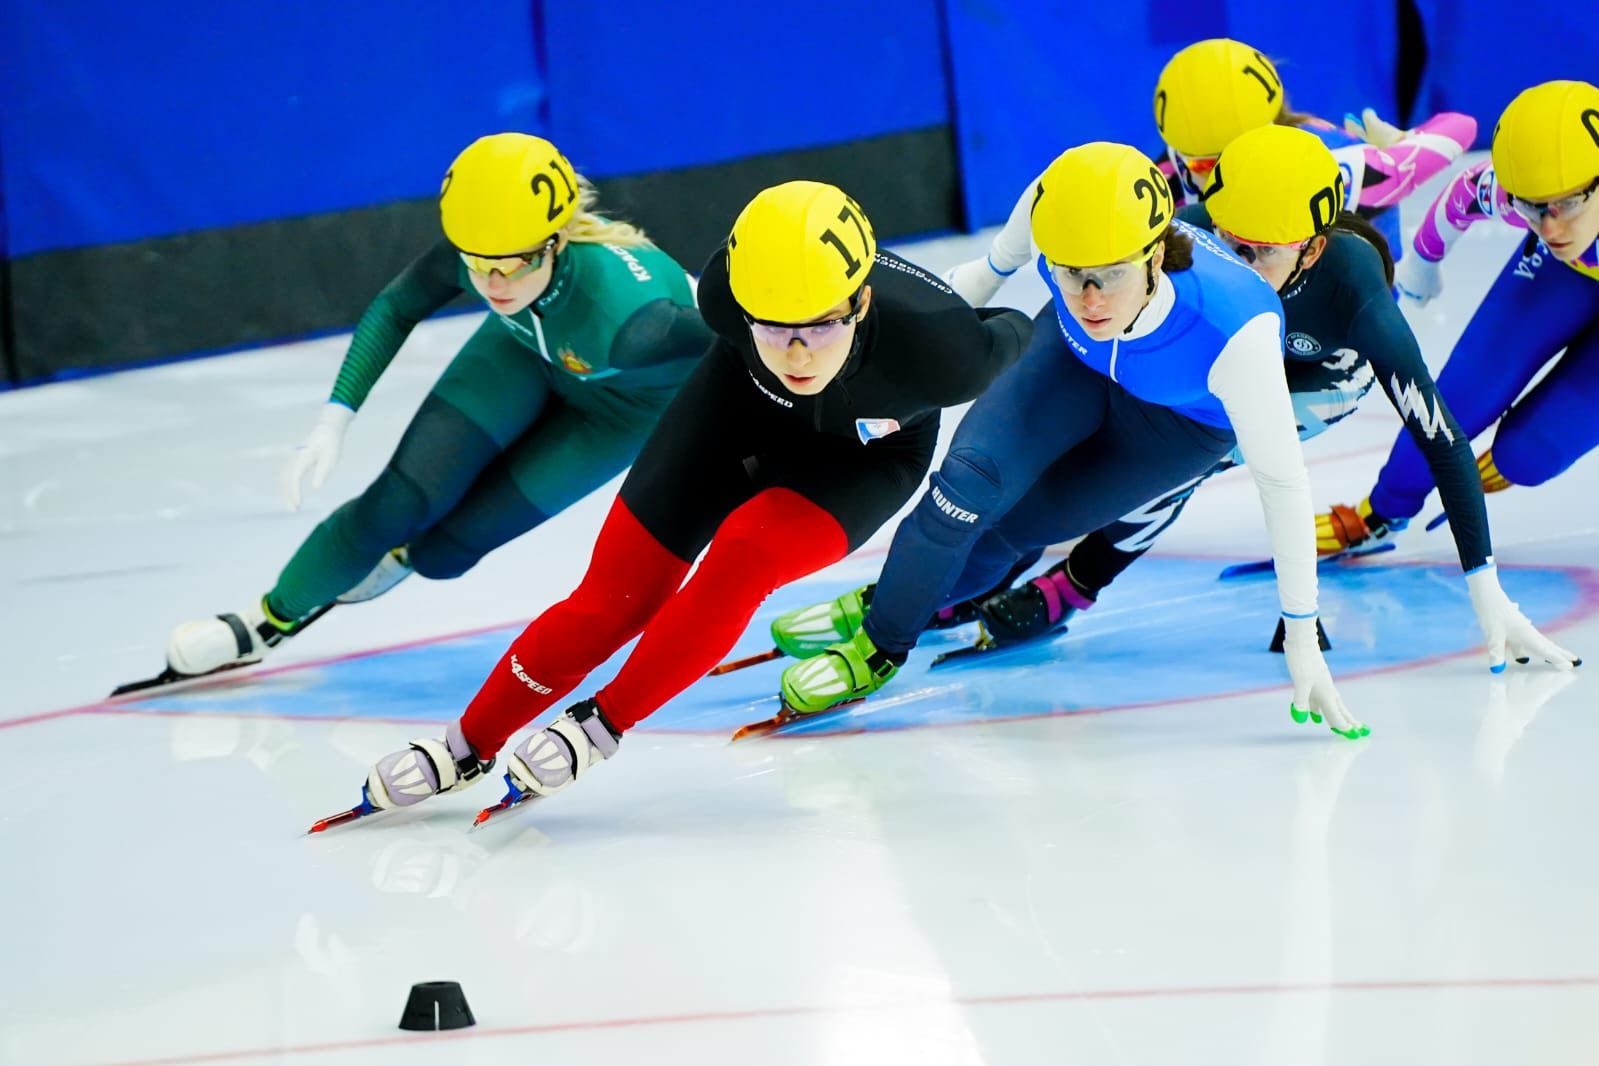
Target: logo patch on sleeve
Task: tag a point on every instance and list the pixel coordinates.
(871, 429)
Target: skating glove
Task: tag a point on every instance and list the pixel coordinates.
(975, 281)
(1418, 278)
(318, 454)
(1373, 130)
(1506, 629)
(1315, 696)
(1346, 527)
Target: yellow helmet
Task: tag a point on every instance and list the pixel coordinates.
(506, 193)
(1100, 203)
(1547, 141)
(1212, 91)
(1281, 185)
(798, 249)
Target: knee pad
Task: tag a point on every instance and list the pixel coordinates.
(391, 512)
(438, 556)
(965, 491)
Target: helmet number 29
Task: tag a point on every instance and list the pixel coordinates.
(1158, 190)
(852, 265)
(542, 180)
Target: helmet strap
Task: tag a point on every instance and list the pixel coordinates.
(1299, 265)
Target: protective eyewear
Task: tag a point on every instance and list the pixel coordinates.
(1564, 208)
(810, 334)
(1107, 279)
(1199, 165)
(1265, 254)
(509, 267)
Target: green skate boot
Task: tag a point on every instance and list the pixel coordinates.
(845, 673)
(807, 631)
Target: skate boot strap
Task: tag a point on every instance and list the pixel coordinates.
(268, 634)
(596, 728)
(956, 614)
(241, 633)
(1061, 597)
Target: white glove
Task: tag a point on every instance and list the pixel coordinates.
(1418, 278)
(1506, 628)
(976, 281)
(318, 454)
(1315, 697)
(1373, 130)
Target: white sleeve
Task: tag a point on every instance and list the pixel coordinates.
(977, 280)
(1248, 379)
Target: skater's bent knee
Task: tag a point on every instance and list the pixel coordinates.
(393, 509)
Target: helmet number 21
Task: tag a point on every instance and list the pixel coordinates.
(542, 180)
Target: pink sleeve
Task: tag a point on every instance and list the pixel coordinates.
(1473, 195)
(1393, 173)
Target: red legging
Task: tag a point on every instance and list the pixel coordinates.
(632, 585)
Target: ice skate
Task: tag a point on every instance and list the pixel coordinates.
(406, 777)
(553, 757)
(1033, 609)
(220, 643)
(845, 673)
(393, 568)
(808, 631)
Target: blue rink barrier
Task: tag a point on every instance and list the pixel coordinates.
(1168, 632)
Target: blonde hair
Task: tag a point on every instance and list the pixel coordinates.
(587, 227)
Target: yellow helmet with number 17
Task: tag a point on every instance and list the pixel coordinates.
(798, 249)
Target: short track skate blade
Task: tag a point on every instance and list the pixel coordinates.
(360, 810)
(1265, 566)
(988, 646)
(169, 677)
(787, 716)
(1438, 521)
(749, 660)
(513, 796)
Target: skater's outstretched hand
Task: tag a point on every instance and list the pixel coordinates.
(318, 454)
(1508, 632)
(1373, 129)
(1315, 695)
(1418, 278)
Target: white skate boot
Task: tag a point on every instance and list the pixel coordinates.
(425, 768)
(393, 568)
(421, 769)
(553, 757)
(226, 640)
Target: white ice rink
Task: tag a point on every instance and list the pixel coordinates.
(1100, 877)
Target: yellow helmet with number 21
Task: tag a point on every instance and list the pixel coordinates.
(506, 193)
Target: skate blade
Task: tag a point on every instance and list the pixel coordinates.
(170, 678)
(786, 716)
(988, 646)
(360, 810)
(749, 660)
(513, 797)
(1265, 566)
